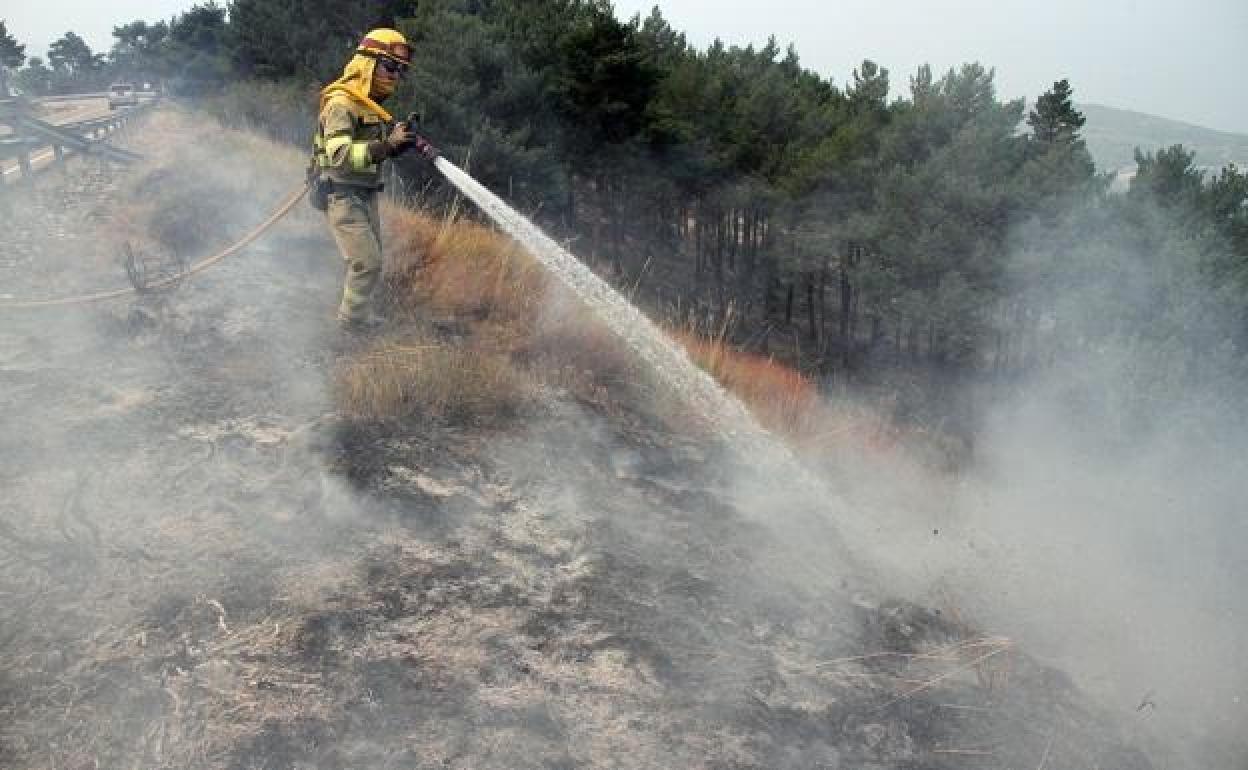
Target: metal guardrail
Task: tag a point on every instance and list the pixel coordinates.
(13, 146)
(71, 134)
(93, 95)
(69, 97)
(86, 137)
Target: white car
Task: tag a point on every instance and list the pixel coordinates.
(122, 95)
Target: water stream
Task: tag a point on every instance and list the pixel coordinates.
(716, 406)
(792, 492)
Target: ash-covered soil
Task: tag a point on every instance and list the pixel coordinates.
(203, 566)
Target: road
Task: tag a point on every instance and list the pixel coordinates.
(56, 113)
(60, 113)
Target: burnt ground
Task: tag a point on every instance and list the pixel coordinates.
(201, 565)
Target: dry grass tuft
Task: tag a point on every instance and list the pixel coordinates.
(462, 268)
(986, 659)
(393, 380)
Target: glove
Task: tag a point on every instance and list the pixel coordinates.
(399, 141)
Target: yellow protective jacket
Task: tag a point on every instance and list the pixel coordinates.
(349, 120)
(344, 132)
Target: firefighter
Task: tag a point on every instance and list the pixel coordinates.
(355, 135)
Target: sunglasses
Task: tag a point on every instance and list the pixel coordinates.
(393, 67)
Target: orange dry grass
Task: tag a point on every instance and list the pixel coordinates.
(782, 398)
(461, 268)
(467, 271)
(787, 402)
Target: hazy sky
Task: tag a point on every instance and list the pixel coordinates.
(1186, 61)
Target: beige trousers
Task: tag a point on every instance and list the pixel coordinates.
(354, 220)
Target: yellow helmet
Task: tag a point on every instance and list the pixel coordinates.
(387, 44)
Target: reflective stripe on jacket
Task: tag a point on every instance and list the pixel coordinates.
(344, 131)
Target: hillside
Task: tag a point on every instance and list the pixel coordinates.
(233, 538)
(1113, 134)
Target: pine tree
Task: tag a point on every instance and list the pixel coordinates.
(136, 52)
(11, 57)
(1169, 177)
(196, 51)
(1059, 161)
(73, 62)
(1055, 118)
(304, 38)
(35, 78)
(870, 90)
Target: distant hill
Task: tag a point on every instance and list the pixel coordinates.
(1113, 134)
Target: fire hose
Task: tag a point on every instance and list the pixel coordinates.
(198, 267)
